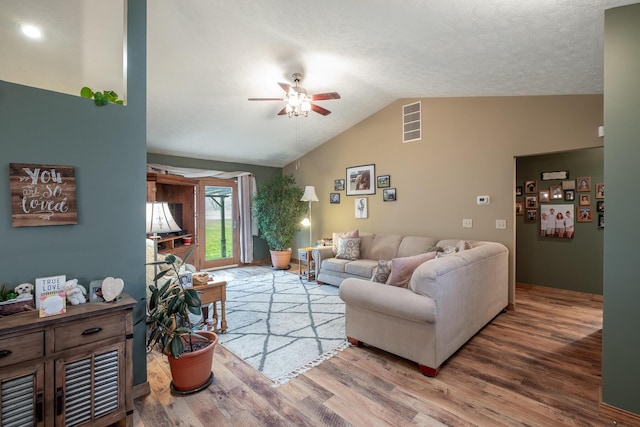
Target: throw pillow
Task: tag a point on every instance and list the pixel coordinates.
(338, 236)
(381, 272)
(349, 248)
(448, 250)
(402, 268)
(463, 245)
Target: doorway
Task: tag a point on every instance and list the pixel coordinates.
(219, 244)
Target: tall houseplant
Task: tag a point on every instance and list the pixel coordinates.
(190, 352)
(278, 211)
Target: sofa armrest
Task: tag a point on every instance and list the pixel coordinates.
(387, 299)
(319, 253)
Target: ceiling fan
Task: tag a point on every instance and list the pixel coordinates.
(298, 102)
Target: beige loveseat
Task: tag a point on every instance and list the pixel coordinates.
(447, 300)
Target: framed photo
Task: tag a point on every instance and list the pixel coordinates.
(519, 208)
(600, 221)
(556, 192)
(532, 215)
(389, 195)
(600, 206)
(548, 176)
(569, 184)
(186, 281)
(334, 198)
(569, 195)
(585, 199)
(583, 183)
(530, 187)
(543, 196)
(359, 180)
(531, 202)
(384, 181)
(95, 291)
(600, 191)
(338, 185)
(557, 220)
(585, 214)
(518, 190)
(361, 208)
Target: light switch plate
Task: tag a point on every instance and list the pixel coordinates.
(501, 224)
(467, 223)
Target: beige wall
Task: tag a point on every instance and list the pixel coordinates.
(468, 149)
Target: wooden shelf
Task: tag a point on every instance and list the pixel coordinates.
(169, 244)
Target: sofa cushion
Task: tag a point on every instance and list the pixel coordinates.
(348, 248)
(402, 268)
(362, 268)
(383, 246)
(414, 245)
(334, 264)
(338, 236)
(381, 272)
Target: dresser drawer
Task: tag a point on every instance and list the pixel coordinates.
(21, 348)
(89, 331)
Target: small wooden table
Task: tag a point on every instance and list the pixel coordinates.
(210, 293)
(305, 258)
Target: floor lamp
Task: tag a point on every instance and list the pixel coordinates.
(159, 220)
(309, 196)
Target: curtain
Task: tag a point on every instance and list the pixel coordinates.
(246, 190)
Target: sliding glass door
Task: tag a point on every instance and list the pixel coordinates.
(219, 245)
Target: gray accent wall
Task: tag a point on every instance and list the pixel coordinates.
(107, 147)
(263, 175)
(574, 264)
(621, 339)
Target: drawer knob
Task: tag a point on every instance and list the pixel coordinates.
(91, 331)
(5, 353)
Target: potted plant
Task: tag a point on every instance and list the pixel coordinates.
(190, 353)
(278, 211)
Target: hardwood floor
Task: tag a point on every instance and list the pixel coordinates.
(536, 366)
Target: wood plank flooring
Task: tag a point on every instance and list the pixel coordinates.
(538, 365)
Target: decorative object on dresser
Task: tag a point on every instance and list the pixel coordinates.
(111, 288)
(278, 211)
(171, 328)
(72, 369)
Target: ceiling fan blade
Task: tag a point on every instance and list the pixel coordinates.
(282, 112)
(318, 109)
(324, 96)
(266, 99)
(285, 86)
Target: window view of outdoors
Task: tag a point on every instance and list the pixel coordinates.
(218, 223)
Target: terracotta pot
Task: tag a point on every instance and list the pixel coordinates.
(280, 259)
(191, 371)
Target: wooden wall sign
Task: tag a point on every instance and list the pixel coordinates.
(42, 195)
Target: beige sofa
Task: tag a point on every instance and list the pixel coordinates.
(447, 301)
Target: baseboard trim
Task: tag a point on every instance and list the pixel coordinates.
(142, 389)
(619, 416)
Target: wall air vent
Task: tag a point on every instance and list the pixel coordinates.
(411, 123)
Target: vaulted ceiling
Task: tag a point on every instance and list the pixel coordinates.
(206, 58)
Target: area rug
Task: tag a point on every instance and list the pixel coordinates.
(281, 325)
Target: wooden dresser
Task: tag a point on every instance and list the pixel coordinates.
(73, 369)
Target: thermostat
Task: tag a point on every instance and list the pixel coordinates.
(483, 200)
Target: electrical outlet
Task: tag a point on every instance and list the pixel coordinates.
(501, 224)
(467, 223)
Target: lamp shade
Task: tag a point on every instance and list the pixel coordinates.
(309, 194)
(159, 218)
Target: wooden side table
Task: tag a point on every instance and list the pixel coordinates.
(305, 258)
(213, 292)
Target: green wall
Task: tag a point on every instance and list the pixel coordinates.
(574, 264)
(621, 339)
(107, 147)
(263, 175)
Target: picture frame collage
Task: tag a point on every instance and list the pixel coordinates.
(554, 207)
(359, 181)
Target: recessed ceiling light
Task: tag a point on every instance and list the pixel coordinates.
(31, 31)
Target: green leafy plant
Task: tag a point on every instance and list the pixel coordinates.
(101, 98)
(168, 311)
(278, 211)
(7, 294)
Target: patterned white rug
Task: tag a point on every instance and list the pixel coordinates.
(281, 325)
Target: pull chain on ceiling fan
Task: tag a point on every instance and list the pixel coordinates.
(298, 102)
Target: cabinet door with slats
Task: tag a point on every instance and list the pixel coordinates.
(22, 397)
(89, 387)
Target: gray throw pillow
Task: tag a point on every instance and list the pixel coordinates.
(381, 272)
(349, 248)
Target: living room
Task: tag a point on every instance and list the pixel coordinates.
(468, 148)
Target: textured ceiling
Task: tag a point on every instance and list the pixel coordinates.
(205, 58)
